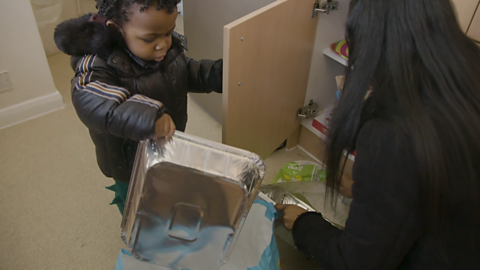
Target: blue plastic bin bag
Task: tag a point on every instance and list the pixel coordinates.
(256, 248)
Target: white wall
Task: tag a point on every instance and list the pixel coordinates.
(203, 23)
(22, 54)
(70, 9)
(180, 8)
(86, 6)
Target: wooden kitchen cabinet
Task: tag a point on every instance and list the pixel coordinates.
(266, 74)
(267, 77)
(274, 64)
(465, 10)
(474, 30)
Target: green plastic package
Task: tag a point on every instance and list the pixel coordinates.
(300, 171)
(306, 180)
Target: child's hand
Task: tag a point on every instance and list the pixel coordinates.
(164, 126)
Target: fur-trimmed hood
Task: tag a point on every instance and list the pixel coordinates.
(82, 35)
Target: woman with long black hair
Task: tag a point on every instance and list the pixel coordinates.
(416, 191)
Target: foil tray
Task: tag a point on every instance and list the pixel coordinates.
(278, 195)
(187, 201)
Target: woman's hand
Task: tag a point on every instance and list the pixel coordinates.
(289, 213)
(164, 127)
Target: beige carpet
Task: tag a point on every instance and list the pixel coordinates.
(54, 208)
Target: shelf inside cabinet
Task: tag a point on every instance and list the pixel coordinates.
(328, 52)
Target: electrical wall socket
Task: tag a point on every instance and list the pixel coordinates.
(5, 82)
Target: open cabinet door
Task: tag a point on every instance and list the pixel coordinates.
(267, 56)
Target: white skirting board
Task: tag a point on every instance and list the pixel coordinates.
(30, 109)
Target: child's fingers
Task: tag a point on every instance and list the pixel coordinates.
(280, 207)
(166, 131)
(164, 127)
(279, 221)
(171, 130)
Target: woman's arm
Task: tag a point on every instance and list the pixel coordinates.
(384, 220)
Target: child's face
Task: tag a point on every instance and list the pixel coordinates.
(148, 34)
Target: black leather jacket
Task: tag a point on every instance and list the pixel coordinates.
(119, 96)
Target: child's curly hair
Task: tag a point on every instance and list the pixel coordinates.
(119, 10)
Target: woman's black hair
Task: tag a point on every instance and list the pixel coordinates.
(422, 66)
(119, 10)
